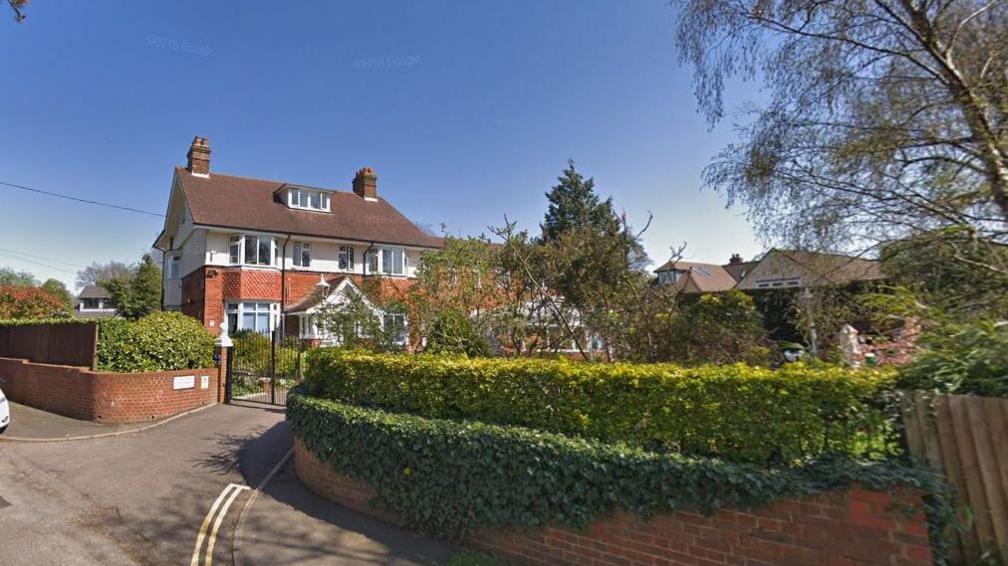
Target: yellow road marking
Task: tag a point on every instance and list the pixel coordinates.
(220, 517)
(232, 488)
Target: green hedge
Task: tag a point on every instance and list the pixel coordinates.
(735, 412)
(448, 477)
(160, 341)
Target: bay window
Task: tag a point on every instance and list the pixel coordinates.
(249, 249)
(258, 317)
(393, 261)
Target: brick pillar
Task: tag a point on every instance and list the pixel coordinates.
(224, 354)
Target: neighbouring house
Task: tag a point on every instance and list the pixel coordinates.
(774, 270)
(94, 301)
(253, 252)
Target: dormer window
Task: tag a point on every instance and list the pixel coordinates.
(308, 199)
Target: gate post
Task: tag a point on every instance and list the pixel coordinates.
(224, 345)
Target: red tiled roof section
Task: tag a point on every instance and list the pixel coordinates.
(250, 204)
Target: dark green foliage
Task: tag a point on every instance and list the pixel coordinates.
(454, 333)
(252, 352)
(158, 342)
(58, 289)
(574, 204)
(448, 478)
(736, 412)
(718, 329)
(952, 270)
(139, 293)
(966, 358)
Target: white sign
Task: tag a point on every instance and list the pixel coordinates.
(204, 382)
(184, 382)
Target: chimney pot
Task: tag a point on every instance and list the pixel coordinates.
(365, 183)
(199, 157)
(735, 259)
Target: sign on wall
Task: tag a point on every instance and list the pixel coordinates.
(184, 382)
(204, 382)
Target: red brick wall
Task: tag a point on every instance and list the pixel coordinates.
(856, 527)
(104, 396)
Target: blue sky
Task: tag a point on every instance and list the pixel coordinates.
(467, 110)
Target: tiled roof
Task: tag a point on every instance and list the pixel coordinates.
(94, 292)
(242, 203)
(701, 277)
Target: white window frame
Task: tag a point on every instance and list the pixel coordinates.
(173, 266)
(241, 308)
(242, 239)
(345, 260)
(302, 249)
(308, 199)
(401, 340)
(385, 269)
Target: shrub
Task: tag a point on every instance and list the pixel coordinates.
(160, 341)
(961, 358)
(20, 302)
(448, 478)
(736, 412)
(253, 353)
(453, 332)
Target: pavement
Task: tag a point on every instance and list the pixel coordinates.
(172, 494)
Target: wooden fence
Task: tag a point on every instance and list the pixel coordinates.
(966, 438)
(68, 344)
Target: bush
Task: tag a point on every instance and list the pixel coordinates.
(160, 341)
(449, 478)
(735, 412)
(20, 302)
(454, 333)
(961, 358)
(253, 353)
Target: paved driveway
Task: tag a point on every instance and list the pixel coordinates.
(146, 498)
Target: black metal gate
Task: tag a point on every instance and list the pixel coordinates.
(262, 368)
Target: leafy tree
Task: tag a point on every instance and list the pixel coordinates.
(353, 323)
(719, 328)
(454, 332)
(26, 302)
(952, 270)
(9, 276)
(575, 205)
(99, 273)
(58, 289)
(884, 118)
(139, 293)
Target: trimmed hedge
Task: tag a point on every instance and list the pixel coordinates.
(448, 478)
(735, 412)
(160, 341)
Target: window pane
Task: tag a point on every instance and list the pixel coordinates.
(386, 261)
(325, 201)
(264, 251)
(373, 261)
(305, 255)
(316, 199)
(297, 254)
(397, 262)
(262, 322)
(343, 257)
(235, 248)
(250, 248)
(248, 321)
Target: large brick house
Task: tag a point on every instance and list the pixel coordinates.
(261, 254)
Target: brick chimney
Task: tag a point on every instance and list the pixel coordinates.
(735, 259)
(365, 183)
(199, 157)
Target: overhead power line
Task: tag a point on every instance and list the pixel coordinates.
(43, 258)
(83, 200)
(39, 263)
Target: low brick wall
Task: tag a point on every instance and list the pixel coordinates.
(103, 396)
(856, 527)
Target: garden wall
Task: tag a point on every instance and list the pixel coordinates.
(104, 396)
(857, 527)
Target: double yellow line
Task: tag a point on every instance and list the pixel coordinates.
(218, 510)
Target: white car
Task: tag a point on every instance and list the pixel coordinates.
(4, 412)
